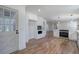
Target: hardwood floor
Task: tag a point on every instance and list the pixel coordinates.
(50, 45)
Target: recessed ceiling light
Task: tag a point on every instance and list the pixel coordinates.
(39, 10)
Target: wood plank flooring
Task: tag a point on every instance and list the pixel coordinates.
(50, 45)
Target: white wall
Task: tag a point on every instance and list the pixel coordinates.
(23, 24)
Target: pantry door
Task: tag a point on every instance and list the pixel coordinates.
(8, 27)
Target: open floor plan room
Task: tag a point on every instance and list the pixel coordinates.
(39, 29)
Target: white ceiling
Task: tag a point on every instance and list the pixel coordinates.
(55, 12)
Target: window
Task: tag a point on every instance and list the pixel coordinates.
(1, 12)
(6, 13)
(7, 20)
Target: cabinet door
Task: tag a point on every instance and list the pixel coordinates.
(73, 35)
(32, 30)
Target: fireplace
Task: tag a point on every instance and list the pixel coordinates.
(64, 33)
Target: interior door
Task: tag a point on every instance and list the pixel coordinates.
(32, 29)
(8, 26)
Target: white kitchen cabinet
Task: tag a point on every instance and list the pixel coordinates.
(78, 38)
(56, 32)
(32, 16)
(72, 35)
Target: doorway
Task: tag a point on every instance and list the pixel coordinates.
(8, 26)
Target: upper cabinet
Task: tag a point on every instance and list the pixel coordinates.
(32, 16)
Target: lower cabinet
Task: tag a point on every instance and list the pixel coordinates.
(73, 35)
